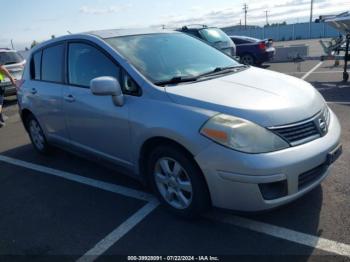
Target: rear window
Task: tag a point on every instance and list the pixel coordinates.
(214, 35)
(52, 64)
(9, 58)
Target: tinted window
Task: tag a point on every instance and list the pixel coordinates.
(9, 58)
(85, 63)
(35, 66)
(161, 57)
(52, 63)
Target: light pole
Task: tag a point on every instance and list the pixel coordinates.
(267, 17)
(245, 9)
(311, 15)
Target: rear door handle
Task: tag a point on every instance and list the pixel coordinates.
(69, 98)
(33, 91)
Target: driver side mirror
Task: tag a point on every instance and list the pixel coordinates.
(108, 86)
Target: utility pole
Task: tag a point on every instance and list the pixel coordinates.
(245, 9)
(311, 15)
(267, 17)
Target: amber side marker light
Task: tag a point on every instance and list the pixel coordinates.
(215, 134)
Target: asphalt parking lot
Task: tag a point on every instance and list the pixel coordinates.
(65, 207)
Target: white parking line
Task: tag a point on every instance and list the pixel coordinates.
(101, 247)
(125, 191)
(284, 233)
(312, 70)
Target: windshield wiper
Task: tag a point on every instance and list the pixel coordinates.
(216, 71)
(221, 70)
(177, 80)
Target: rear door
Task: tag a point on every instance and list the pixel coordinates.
(45, 90)
(95, 124)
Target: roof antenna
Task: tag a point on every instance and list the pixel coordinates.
(69, 32)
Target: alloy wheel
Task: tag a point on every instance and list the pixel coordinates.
(173, 182)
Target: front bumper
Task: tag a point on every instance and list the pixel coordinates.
(233, 177)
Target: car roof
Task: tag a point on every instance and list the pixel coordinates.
(105, 34)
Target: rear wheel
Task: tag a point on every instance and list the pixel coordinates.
(37, 136)
(177, 181)
(247, 59)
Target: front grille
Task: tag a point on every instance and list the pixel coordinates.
(311, 176)
(299, 133)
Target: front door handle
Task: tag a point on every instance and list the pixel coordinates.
(33, 91)
(69, 98)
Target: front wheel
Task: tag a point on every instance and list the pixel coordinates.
(177, 181)
(37, 136)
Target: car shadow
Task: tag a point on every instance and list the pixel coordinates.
(333, 91)
(75, 164)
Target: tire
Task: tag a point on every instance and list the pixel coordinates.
(177, 181)
(37, 135)
(248, 59)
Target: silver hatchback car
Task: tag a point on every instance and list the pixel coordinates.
(188, 120)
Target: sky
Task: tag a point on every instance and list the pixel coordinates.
(26, 20)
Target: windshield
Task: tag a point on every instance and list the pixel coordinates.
(8, 58)
(161, 57)
(214, 35)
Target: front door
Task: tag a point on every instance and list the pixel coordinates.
(95, 124)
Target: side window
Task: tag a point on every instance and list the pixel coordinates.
(85, 63)
(35, 66)
(52, 64)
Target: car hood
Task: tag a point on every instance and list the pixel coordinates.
(262, 96)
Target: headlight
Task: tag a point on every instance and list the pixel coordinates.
(242, 135)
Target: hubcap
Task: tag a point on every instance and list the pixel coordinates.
(36, 134)
(173, 183)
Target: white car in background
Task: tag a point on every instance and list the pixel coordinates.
(14, 63)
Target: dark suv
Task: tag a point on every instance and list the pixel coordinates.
(213, 36)
(14, 63)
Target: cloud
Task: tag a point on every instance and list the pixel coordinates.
(103, 10)
(288, 10)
